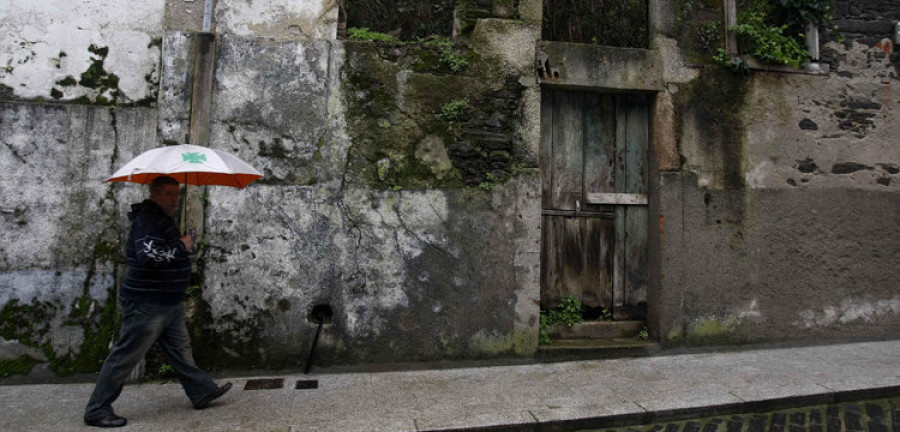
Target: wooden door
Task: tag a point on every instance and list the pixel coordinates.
(594, 222)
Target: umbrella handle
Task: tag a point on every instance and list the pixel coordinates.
(184, 204)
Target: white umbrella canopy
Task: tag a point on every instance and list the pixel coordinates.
(188, 164)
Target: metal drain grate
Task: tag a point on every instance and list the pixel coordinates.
(306, 384)
(264, 384)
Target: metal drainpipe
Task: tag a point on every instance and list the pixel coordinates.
(812, 41)
(321, 315)
(207, 16)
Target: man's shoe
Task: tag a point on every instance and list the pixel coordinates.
(217, 393)
(109, 421)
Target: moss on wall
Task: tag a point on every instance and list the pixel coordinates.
(27, 323)
(699, 29)
(17, 366)
(105, 85)
(99, 327)
(518, 343)
(230, 342)
(710, 331)
(32, 324)
(714, 101)
(415, 123)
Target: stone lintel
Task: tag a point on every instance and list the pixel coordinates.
(600, 68)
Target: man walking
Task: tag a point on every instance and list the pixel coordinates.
(159, 270)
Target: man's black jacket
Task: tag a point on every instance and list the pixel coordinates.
(159, 266)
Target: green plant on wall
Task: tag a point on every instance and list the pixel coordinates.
(488, 184)
(567, 312)
(773, 31)
(768, 43)
(545, 329)
(166, 370)
(452, 111)
(456, 62)
(709, 35)
(364, 34)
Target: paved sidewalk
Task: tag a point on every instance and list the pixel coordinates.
(552, 396)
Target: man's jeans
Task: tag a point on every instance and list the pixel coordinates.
(142, 325)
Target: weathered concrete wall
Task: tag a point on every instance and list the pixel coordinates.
(424, 268)
(61, 229)
(404, 194)
(411, 269)
(779, 224)
(414, 265)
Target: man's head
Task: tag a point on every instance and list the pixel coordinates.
(165, 191)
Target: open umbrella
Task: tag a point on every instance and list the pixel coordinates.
(189, 165)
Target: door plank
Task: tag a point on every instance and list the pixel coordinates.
(577, 261)
(567, 160)
(635, 291)
(599, 144)
(636, 117)
(635, 250)
(546, 155)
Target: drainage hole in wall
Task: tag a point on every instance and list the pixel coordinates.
(321, 313)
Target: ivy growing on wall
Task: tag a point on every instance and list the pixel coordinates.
(773, 31)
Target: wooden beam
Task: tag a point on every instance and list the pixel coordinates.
(730, 19)
(617, 198)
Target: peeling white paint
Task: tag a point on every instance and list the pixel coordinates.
(756, 176)
(315, 19)
(43, 42)
(851, 310)
(752, 311)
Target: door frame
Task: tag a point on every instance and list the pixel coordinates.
(650, 199)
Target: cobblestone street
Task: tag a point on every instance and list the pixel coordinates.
(882, 415)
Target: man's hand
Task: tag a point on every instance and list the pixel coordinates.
(188, 241)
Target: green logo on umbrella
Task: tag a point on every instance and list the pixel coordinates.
(194, 158)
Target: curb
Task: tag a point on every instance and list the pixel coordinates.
(674, 415)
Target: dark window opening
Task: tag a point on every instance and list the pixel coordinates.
(615, 23)
(402, 19)
(777, 33)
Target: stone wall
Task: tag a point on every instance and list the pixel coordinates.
(866, 21)
(436, 262)
(403, 193)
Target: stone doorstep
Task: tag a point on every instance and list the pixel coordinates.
(596, 349)
(597, 330)
(599, 344)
